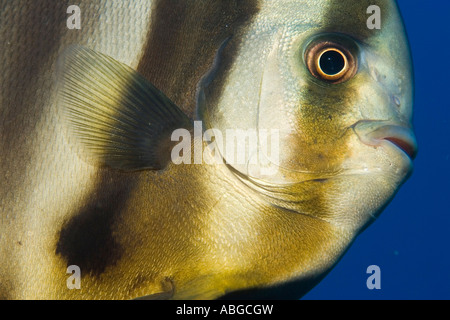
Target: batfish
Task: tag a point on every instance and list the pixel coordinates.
(205, 149)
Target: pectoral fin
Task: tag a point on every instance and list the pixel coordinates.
(120, 118)
(166, 293)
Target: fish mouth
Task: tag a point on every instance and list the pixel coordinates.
(380, 133)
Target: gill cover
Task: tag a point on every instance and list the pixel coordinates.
(307, 85)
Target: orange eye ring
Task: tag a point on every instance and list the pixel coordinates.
(330, 62)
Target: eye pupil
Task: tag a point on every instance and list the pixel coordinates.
(331, 62)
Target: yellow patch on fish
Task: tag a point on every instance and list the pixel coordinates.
(291, 122)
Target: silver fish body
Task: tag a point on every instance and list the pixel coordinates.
(85, 123)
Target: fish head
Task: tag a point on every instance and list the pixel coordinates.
(324, 100)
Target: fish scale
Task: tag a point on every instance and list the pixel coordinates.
(103, 193)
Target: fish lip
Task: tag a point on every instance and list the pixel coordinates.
(382, 133)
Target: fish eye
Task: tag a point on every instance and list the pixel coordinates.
(330, 62)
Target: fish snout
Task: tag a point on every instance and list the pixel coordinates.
(387, 134)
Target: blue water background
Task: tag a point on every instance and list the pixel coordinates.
(410, 241)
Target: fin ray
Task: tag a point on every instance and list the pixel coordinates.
(120, 118)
